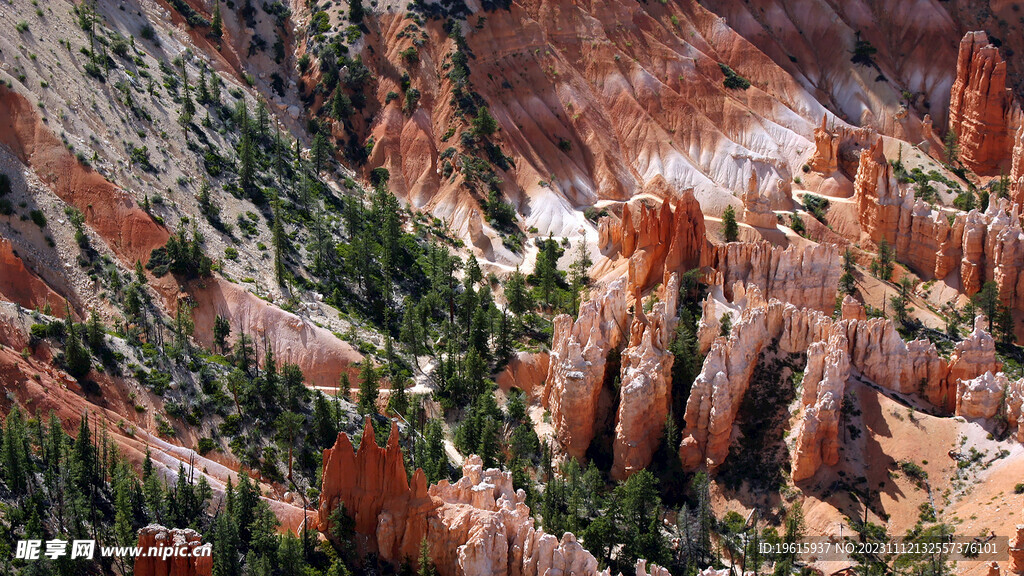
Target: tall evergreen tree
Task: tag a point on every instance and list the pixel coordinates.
(368, 388)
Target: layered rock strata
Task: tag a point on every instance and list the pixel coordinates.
(824, 383)
(826, 149)
(657, 240)
(806, 276)
(757, 208)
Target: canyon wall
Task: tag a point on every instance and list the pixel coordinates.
(824, 383)
(645, 394)
(657, 240)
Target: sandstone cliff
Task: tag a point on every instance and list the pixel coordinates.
(576, 370)
(757, 209)
(391, 516)
(156, 536)
(980, 106)
(657, 240)
(826, 149)
(817, 437)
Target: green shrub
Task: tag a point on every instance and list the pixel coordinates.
(733, 81)
(38, 217)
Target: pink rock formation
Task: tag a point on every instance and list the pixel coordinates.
(993, 569)
(873, 348)
(927, 129)
(526, 371)
(805, 276)
(662, 240)
(181, 563)
(646, 390)
(757, 208)
(980, 397)
(478, 526)
(824, 383)
(852, 309)
(975, 247)
(483, 527)
(1015, 408)
(576, 371)
(390, 515)
(1016, 564)
(826, 149)
(972, 356)
(980, 104)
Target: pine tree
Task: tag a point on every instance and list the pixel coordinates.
(952, 147)
(188, 108)
(151, 491)
(341, 105)
(368, 391)
(278, 240)
(426, 566)
(847, 282)
(579, 276)
(225, 548)
(216, 25)
(324, 423)
(730, 229)
(355, 11)
(398, 400)
(221, 331)
(15, 456)
(433, 458)
(246, 149)
(882, 266)
(76, 357)
(202, 90)
(321, 151)
(124, 486)
(516, 294)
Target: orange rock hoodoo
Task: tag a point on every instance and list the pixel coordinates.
(156, 536)
(478, 526)
(646, 390)
(980, 106)
(826, 149)
(976, 247)
(872, 349)
(390, 514)
(576, 370)
(660, 240)
(757, 209)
